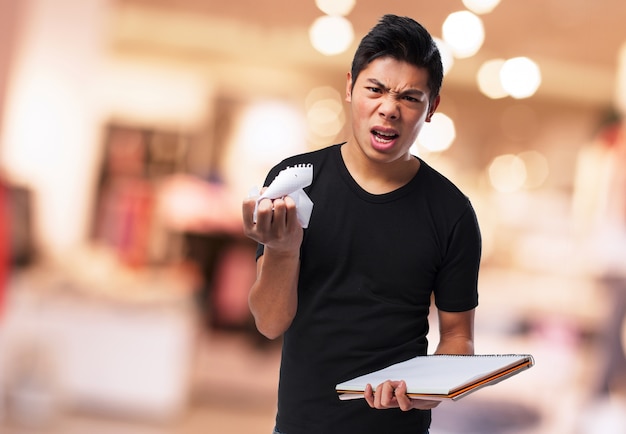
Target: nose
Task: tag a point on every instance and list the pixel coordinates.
(388, 108)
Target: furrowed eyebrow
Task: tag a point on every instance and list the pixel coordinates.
(377, 84)
(408, 92)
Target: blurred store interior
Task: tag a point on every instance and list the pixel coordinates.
(130, 131)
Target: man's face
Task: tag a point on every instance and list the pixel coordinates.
(389, 104)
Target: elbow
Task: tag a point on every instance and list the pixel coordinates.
(269, 333)
(271, 323)
(271, 318)
(271, 329)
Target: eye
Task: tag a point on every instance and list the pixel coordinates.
(411, 99)
(374, 89)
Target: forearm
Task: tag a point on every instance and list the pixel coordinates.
(273, 298)
(459, 345)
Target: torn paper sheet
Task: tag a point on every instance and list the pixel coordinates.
(290, 182)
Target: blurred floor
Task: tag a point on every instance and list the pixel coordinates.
(235, 375)
(235, 386)
(233, 392)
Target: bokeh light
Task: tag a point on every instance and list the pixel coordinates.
(331, 35)
(488, 79)
(464, 32)
(447, 57)
(438, 134)
(520, 77)
(258, 129)
(481, 6)
(335, 7)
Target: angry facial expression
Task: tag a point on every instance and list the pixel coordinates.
(390, 101)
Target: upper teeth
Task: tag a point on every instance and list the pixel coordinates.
(385, 134)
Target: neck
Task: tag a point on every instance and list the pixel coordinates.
(378, 177)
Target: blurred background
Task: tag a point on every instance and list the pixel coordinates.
(130, 131)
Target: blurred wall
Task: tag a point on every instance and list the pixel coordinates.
(8, 22)
(51, 114)
(61, 88)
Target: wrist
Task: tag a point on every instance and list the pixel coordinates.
(281, 254)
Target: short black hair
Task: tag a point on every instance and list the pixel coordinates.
(406, 40)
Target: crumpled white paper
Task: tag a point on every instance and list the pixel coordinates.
(290, 182)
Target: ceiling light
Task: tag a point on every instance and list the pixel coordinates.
(257, 137)
(447, 58)
(520, 77)
(438, 134)
(488, 79)
(331, 35)
(335, 7)
(464, 32)
(481, 6)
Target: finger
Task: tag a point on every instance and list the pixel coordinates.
(279, 211)
(289, 202)
(384, 397)
(247, 209)
(292, 213)
(369, 395)
(404, 402)
(264, 215)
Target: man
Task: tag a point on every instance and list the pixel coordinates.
(351, 293)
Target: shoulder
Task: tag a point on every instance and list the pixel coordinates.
(312, 157)
(316, 158)
(444, 198)
(439, 184)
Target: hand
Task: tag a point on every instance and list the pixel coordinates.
(276, 226)
(392, 394)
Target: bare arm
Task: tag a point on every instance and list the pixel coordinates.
(273, 297)
(456, 332)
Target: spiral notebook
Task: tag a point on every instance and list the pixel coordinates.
(442, 377)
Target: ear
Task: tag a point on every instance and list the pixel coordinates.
(433, 108)
(349, 87)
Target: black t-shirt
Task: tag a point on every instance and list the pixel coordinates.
(369, 267)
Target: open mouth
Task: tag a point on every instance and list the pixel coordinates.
(383, 136)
